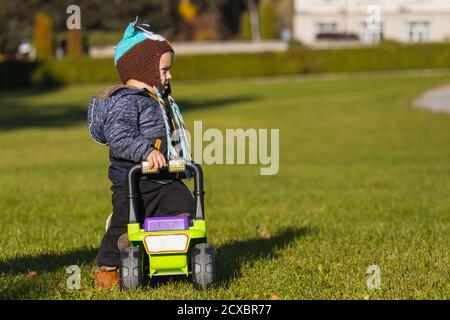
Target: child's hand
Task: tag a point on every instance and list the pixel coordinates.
(156, 159)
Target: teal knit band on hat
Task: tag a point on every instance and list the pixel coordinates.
(129, 40)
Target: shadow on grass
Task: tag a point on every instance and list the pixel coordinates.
(17, 113)
(25, 91)
(45, 283)
(18, 116)
(231, 257)
(43, 286)
(48, 262)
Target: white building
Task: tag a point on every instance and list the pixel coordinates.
(366, 21)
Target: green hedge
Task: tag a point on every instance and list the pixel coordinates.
(388, 56)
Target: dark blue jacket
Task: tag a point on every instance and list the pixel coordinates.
(129, 121)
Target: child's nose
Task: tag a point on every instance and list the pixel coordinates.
(169, 76)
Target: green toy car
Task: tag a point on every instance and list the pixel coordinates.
(165, 246)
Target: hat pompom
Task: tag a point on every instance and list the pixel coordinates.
(129, 31)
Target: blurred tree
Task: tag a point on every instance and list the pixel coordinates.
(267, 20)
(284, 9)
(245, 31)
(74, 43)
(187, 10)
(230, 16)
(16, 24)
(42, 39)
(221, 18)
(206, 27)
(202, 17)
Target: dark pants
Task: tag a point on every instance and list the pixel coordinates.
(155, 199)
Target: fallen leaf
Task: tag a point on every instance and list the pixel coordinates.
(264, 234)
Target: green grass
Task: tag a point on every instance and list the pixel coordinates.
(364, 179)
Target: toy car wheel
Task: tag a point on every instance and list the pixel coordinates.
(203, 263)
(131, 267)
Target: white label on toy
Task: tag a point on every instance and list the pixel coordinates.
(166, 243)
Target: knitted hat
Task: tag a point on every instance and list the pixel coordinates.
(138, 53)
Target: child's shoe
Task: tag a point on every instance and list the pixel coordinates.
(106, 277)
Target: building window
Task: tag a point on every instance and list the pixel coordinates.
(419, 31)
(329, 27)
(328, 31)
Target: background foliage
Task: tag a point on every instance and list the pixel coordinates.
(297, 60)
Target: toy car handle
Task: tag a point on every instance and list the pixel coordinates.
(174, 166)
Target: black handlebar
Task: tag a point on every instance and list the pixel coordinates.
(198, 192)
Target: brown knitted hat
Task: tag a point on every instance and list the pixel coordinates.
(138, 55)
(141, 63)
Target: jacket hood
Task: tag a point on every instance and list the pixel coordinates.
(99, 107)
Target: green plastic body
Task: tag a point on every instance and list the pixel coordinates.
(168, 263)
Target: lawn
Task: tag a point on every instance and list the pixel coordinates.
(364, 179)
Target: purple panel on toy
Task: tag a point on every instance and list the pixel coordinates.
(166, 223)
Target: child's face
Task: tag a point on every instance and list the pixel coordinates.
(165, 63)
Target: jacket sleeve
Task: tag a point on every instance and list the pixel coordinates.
(122, 132)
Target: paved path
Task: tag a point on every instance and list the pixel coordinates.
(435, 100)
